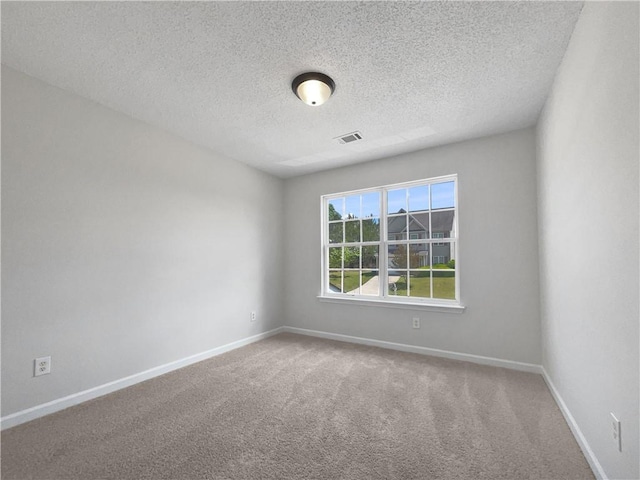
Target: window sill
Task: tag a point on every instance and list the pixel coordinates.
(433, 307)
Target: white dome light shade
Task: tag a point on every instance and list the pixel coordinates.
(313, 92)
(313, 88)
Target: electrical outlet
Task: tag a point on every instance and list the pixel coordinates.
(615, 423)
(416, 322)
(41, 366)
(253, 316)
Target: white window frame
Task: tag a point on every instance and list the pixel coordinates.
(384, 298)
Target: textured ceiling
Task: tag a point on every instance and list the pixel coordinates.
(408, 75)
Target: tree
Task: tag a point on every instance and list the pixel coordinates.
(335, 257)
(351, 257)
(333, 215)
(399, 257)
(371, 229)
(335, 232)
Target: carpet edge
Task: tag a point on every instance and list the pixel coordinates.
(37, 411)
(465, 357)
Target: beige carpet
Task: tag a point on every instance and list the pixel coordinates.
(294, 407)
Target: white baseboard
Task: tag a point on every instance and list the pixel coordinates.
(38, 411)
(598, 471)
(496, 362)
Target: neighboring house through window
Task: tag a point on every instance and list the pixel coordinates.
(395, 243)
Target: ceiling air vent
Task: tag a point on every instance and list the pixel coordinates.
(349, 137)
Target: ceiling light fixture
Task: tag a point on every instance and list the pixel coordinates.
(313, 88)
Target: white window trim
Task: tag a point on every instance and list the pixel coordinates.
(384, 299)
(379, 302)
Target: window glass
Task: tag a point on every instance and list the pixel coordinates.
(419, 224)
(335, 257)
(352, 231)
(371, 205)
(335, 281)
(370, 283)
(351, 257)
(420, 284)
(370, 255)
(336, 209)
(371, 229)
(352, 207)
(419, 198)
(335, 232)
(442, 195)
(397, 227)
(397, 201)
(444, 284)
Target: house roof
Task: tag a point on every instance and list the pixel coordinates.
(441, 221)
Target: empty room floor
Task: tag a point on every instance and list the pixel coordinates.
(297, 407)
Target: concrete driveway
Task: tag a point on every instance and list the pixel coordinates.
(372, 287)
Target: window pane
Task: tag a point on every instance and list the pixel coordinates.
(397, 227)
(335, 257)
(351, 283)
(352, 209)
(442, 253)
(442, 195)
(397, 201)
(371, 230)
(418, 255)
(370, 257)
(444, 283)
(370, 283)
(419, 198)
(371, 205)
(352, 231)
(397, 256)
(420, 284)
(351, 257)
(335, 281)
(442, 224)
(336, 209)
(398, 283)
(419, 225)
(335, 232)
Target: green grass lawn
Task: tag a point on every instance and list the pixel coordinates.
(443, 287)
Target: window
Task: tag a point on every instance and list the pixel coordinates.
(438, 235)
(395, 243)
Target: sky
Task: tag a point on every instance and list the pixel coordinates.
(411, 199)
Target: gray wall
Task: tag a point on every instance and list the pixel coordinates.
(588, 222)
(124, 247)
(498, 255)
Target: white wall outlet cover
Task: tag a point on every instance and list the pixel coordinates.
(617, 433)
(42, 366)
